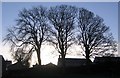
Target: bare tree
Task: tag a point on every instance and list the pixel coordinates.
(22, 56)
(93, 36)
(62, 18)
(30, 31)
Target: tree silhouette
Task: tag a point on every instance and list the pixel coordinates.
(94, 36)
(22, 56)
(30, 31)
(62, 19)
(57, 25)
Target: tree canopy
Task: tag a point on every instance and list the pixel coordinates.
(30, 30)
(58, 26)
(94, 36)
(63, 19)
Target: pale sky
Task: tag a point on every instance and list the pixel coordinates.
(60, 0)
(107, 10)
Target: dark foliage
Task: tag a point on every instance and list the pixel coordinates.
(104, 70)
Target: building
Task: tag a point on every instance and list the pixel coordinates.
(99, 60)
(2, 66)
(72, 62)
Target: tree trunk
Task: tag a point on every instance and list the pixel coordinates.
(63, 60)
(87, 56)
(38, 56)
